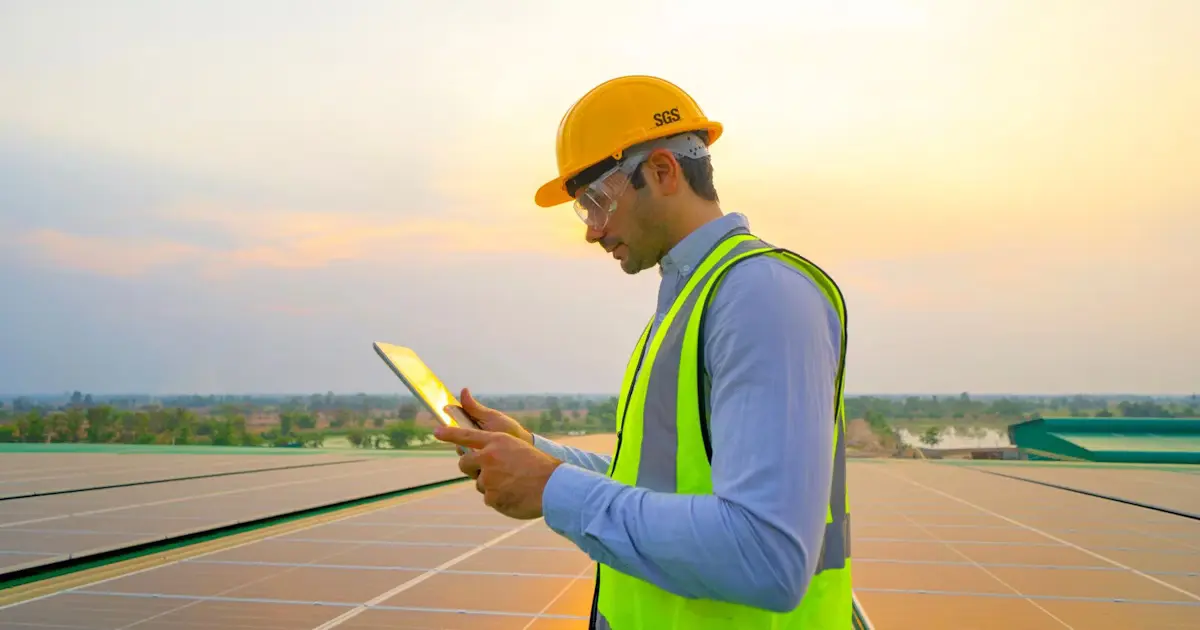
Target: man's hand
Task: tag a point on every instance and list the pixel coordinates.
(491, 420)
(512, 473)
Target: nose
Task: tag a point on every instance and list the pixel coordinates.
(592, 235)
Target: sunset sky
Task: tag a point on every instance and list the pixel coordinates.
(210, 196)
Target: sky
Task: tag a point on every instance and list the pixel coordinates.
(239, 197)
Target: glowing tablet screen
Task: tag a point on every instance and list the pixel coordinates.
(422, 382)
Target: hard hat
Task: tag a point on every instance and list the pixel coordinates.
(614, 116)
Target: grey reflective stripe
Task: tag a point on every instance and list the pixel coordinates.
(835, 547)
(660, 439)
(601, 622)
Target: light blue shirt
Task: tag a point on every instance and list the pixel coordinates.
(771, 347)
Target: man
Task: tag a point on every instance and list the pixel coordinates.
(724, 505)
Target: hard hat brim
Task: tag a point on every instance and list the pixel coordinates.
(554, 192)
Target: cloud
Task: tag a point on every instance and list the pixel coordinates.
(110, 256)
(290, 241)
(99, 213)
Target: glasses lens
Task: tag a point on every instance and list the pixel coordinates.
(592, 206)
(594, 203)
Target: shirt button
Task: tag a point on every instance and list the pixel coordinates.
(687, 269)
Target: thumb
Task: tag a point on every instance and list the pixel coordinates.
(474, 408)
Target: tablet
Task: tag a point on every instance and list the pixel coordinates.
(424, 384)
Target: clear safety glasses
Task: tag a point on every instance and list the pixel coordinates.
(596, 202)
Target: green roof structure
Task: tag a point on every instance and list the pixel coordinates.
(1124, 440)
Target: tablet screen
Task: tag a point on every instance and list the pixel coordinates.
(421, 380)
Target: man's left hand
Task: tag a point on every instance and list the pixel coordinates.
(512, 472)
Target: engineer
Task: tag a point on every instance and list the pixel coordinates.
(724, 504)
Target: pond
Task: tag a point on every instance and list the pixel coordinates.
(961, 437)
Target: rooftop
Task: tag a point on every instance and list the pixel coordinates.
(935, 544)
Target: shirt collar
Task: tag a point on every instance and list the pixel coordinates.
(689, 252)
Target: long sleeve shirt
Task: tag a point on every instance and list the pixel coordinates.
(771, 349)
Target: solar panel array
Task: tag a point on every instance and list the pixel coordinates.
(437, 560)
(934, 545)
(949, 546)
(42, 529)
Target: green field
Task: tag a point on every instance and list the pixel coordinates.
(335, 445)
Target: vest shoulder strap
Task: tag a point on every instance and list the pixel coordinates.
(824, 282)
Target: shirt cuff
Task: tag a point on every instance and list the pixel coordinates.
(566, 494)
(551, 448)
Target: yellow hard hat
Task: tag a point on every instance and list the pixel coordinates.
(614, 116)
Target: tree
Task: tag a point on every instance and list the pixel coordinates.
(312, 439)
(931, 436)
(286, 420)
(402, 434)
(305, 421)
(545, 422)
(101, 422)
(32, 427)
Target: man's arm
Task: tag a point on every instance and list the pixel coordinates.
(571, 455)
(772, 346)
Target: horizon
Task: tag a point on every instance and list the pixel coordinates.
(8, 398)
(232, 198)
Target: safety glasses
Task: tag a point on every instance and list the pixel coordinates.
(596, 202)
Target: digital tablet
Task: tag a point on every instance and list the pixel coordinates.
(424, 384)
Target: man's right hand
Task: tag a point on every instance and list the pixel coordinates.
(491, 420)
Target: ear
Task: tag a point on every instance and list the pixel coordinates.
(663, 173)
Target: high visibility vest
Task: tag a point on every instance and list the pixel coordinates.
(663, 444)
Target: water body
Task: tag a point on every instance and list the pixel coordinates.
(958, 437)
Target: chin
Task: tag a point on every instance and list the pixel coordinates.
(631, 267)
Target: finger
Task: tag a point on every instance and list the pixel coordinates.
(474, 408)
(469, 402)
(462, 436)
(481, 484)
(491, 499)
(469, 465)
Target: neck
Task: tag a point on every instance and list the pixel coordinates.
(688, 220)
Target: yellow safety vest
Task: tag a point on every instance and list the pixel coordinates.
(663, 444)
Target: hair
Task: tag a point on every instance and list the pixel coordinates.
(697, 171)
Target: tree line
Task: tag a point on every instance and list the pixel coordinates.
(80, 418)
(963, 407)
(320, 402)
(226, 426)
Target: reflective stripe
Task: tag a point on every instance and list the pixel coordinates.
(601, 623)
(835, 546)
(660, 435)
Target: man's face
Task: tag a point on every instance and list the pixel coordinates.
(628, 235)
(636, 232)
